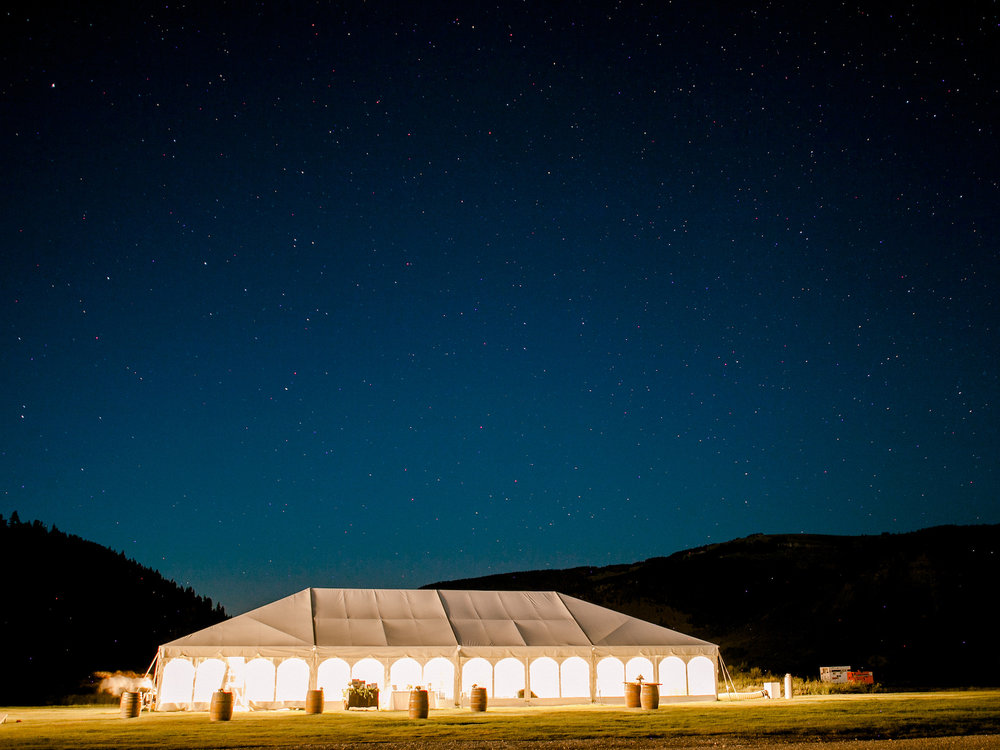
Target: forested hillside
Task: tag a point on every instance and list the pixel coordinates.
(912, 607)
(72, 607)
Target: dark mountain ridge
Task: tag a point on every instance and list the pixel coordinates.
(72, 607)
(911, 607)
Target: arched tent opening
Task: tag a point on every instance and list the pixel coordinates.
(544, 677)
(610, 678)
(234, 680)
(673, 676)
(701, 676)
(177, 683)
(260, 682)
(439, 676)
(508, 678)
(371, 671)
(638, 666)
(477, 673)
(208, 678)
(574, 675)
(235, 672)
(405, 674)
(333, 675)
(292, 681)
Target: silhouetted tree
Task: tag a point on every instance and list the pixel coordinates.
(99, 611)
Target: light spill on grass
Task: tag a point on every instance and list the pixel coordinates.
(820, 717)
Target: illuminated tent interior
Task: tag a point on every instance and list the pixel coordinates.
(536, 647)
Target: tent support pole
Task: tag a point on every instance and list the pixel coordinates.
(593, 677)
(527, 680)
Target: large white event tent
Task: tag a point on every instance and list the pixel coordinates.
(545, 645)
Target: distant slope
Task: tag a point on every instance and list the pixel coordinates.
(912, 607)
(71, 607)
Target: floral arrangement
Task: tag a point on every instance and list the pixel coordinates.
(361, 695)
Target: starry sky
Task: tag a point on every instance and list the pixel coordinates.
(377, 294)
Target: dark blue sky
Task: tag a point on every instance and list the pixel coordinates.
(349, 295)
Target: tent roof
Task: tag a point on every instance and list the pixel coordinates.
(407, 619)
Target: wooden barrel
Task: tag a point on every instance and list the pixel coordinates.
(632, 695)
(418, 704)
(477, 701)
(650, 697)
(130, 705)
(221, 708)
(314, 701)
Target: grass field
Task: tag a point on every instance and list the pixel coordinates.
(848, 717)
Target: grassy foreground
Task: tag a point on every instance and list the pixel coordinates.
(848, 717)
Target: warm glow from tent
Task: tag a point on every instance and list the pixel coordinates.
(575, 673)
(333, 675)
(544, 673)
(208, 679)
(405, 674)
(610, 678)
(234, 679)
(701, 676)
(293, 680)
(508, 678)
(477, 672)
(673, 676)
(260, 681)
(237, 666)
(638, 665)
(518, 646)
(439, 675)
(369, 670)
(178, 681)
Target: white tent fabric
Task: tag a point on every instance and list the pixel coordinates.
(388, 624)
(431, 622)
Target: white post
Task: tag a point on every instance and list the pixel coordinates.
(788, 685)
(527, 679)
(593, 677)
(457, 680)
(385, 689)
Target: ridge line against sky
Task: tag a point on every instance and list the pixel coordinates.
(343, 294)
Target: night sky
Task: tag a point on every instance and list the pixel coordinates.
(375, 295)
